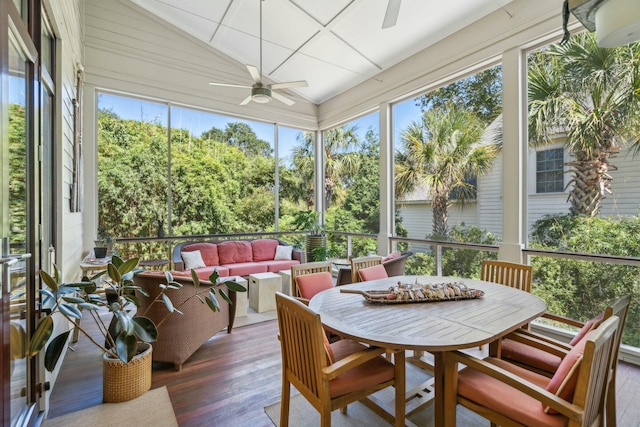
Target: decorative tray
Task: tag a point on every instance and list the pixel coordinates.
(413, 293)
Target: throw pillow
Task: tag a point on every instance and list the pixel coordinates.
(563, 383)
(392, 255)
(589, 325)
(192, 259)
(283, 252)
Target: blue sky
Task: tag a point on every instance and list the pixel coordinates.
(199, 122)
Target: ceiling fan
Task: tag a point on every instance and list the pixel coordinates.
(260, 92)
(391, 15)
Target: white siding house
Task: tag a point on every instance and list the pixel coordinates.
(486, 211)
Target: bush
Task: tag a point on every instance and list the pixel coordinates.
(581, 289)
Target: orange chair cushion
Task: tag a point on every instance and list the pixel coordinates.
(373, 273)
(504, 399)
(375, 371)
(563, 383)
(589, 325)
(311, 284)
(331, 358)
(529, 356)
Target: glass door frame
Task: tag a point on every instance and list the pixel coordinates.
(22, 30)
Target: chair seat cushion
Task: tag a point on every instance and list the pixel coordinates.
(373, 273)
(500, 397)
(524, 354)
(375, 371)
(589, 325)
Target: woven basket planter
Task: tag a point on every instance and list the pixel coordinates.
(125, 381)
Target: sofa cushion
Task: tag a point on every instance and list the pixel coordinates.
(209, 252)
(204, 272)
(264, 249)
(275, 266)
(234, 252)
(246, 268)
(192, 259)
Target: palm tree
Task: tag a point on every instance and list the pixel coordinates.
(593, 95)
(339, 158)
(442, 154)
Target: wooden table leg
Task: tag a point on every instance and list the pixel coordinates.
(438, 383)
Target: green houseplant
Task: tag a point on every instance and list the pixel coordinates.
(316, 240)
(128, 332)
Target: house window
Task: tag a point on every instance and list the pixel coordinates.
(549, 171)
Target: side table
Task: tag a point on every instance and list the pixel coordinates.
(262, 291)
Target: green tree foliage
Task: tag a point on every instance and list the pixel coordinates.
(17, 175)
(582, 289)
(481, 93)
(241, 135)
(456, 262)
(440, 156)
(592, 94)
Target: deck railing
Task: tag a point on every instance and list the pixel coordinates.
(430, 259)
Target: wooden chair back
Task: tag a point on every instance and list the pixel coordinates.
(307, 364)
(307, 268)
(618, 309)
(507, 273)
(363, 262)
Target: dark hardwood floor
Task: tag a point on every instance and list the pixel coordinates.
(230, 380)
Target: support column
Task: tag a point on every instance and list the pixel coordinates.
(514, 169)
(387, 197)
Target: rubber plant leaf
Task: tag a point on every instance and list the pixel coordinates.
(54, 350)
(224, 296)
(145, 329)
(41, 335)
(126, 347)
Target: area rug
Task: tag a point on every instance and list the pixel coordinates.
(301, 413)
(151, 409)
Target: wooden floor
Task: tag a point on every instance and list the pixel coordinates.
(230, 380)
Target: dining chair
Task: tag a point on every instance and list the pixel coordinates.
(509, 395)
(363, 262)
(332, 375)
(543, 354)
(507, 273)
(307, 268)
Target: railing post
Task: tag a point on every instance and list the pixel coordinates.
(348, 246)
(438, 260)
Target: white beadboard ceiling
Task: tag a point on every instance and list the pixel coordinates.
(332, 44)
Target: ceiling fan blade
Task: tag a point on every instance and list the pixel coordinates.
(282, 99)
(391, 16)
(246, 100)
(255, 73)
(301, 83)
(229, 85)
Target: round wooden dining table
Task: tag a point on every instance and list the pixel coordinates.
(435, 327)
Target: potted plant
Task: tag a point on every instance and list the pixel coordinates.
(103, 244)
(126, 338)
(317, 238)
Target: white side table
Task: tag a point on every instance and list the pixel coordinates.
(262, 291)
(287, 286)
(242, 298)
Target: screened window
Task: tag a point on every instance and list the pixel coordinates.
(549, 171)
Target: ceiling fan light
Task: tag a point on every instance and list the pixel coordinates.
(617, 23)
(261, 95)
